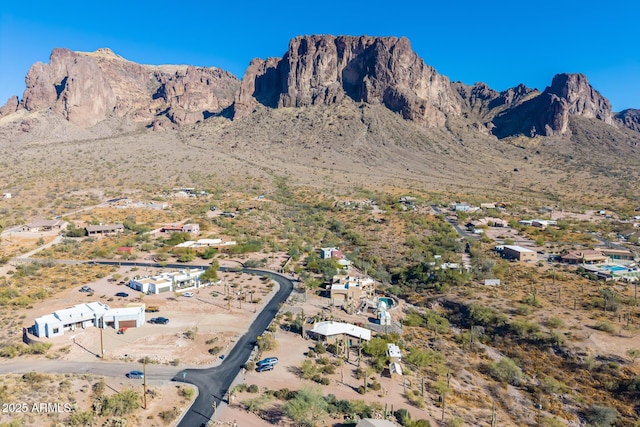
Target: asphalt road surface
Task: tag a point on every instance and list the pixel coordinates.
(213, 383)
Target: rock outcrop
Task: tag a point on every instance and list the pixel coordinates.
(11, 106)
(89, 87)
(548, 113)
(327, 69)
(629, 118)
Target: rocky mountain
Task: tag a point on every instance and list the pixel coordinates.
(88, 88)
(629, 118)
(374, 70)
(548, 113)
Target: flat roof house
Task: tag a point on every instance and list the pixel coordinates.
(69, 319)
(95, 230)
(332, 332)
(349, 288)
(176, 281)
(519, 253)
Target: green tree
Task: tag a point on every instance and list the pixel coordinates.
(211, 274)
(307, 407)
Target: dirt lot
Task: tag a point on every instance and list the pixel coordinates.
(196, 325)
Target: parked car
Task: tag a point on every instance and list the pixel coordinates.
(122, 294)
(267, 367)
(159, 320)
(267, 361)
(86, 289)
(187, 294)
(135, 374)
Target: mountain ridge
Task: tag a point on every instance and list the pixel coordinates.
(87, 88)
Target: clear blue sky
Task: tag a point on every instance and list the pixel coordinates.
(501, 43)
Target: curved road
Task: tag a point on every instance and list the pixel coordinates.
(213, 383)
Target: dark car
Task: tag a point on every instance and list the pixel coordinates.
(122, 294)
(267, 367)
(159, 320)
(135, 374)
(267, 361)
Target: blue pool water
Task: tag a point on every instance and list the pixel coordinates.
(614, 268)
(387, 301)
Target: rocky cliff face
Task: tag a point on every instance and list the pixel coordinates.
(548, 113)
(327, 69)
(87, 88)
(629, 118)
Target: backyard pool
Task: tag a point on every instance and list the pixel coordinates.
(387, 301)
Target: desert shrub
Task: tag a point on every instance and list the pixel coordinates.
(506, 370)
(414, 399)
(320, 348)
(119, 404)
(600, 416)
(215, 350)
(169, 415)
(99, 388)
(267, 342)
(81, 418)
(552, 385)
(554, 322)
(605, 326)
(186, 392)
(328, 369)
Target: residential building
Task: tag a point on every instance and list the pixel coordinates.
(203, 244)
(176, 281)
(518, 253)
(618, 254)
(346, 289)
(333, 332)
(82, 316)
(191, 228)
(43, 225)
(587, 256)
(328, 253)
(95, 230)
(393, 351)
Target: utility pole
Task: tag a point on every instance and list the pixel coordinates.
(144, 381)
(101, 339)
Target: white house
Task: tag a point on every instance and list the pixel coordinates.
(176, 281)
(333, 331)
(86, 315)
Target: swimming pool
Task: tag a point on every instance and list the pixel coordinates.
(614, 268)
(387, 301)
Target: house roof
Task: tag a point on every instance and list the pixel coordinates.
(517, 248)
(330, 328)
(371, 422)
(45, 223)
(106, 227)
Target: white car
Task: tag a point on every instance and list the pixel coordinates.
(188, 294)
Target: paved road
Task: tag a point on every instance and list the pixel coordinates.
(213, 383)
